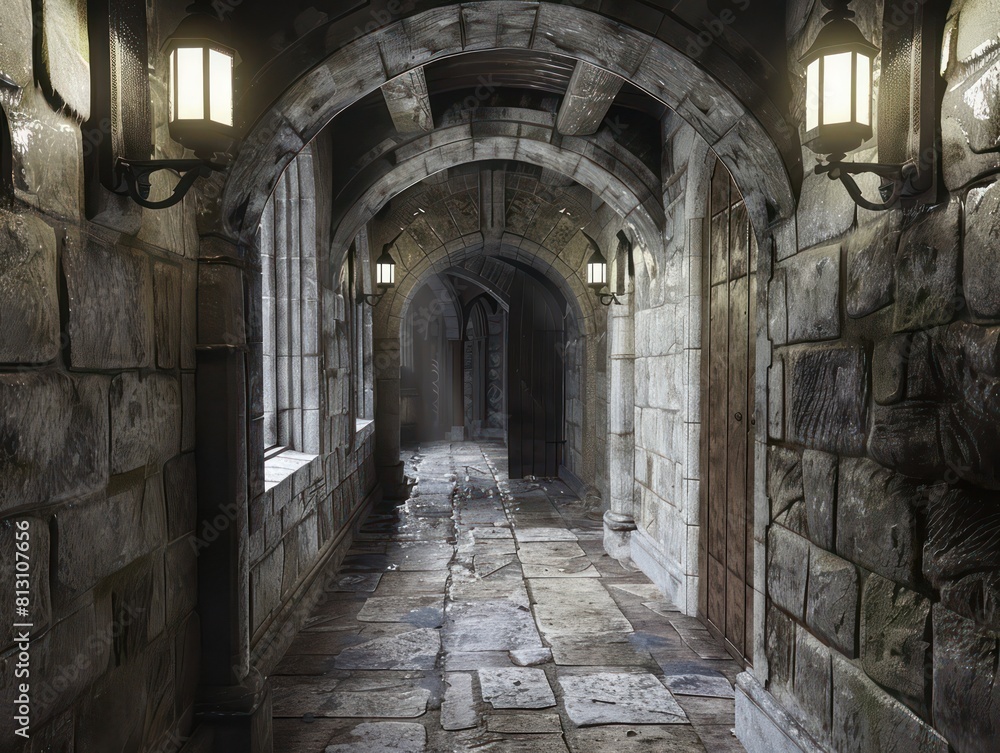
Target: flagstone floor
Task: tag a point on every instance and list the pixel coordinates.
(484, 615)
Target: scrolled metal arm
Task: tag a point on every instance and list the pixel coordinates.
(136, 177)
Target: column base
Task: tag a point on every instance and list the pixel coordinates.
(762, 726)
(618, 529)
(393, 482)
(238, 717)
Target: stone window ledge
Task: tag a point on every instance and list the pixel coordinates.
(364, 428)
(281, 464)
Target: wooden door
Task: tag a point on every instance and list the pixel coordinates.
(535, 382)
(726, 545)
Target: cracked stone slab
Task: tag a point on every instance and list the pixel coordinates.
(619, 698)
(529, 535)
(549, 552)
(321, 697)
(381, 737)
(569, 570)
(570, 654)
(412, 583)
(571, 607)
(524, 724)
(355, 583)
(458, 711)
(423, 611)
(530, 657)
(626, 739)
(489, 625)
(416, 649)
(709, 686)
(516, 688)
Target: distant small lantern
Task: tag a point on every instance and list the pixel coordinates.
(385, 269)
(838, 84)
(201, 84)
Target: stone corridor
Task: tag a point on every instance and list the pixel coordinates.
(483, 614)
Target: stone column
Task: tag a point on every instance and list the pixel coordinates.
(387, 388)
(619, 520)
(233, 698)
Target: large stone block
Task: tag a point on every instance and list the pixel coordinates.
(181, 495)
(927, 271)
(812, 294)
(971, 107)
(54, 432)
(894, 631)
(889, 359)
(66, 660)
(827, 398)
(832, 604)
(779, 647)
(871, 254)
(29, 301)
(787, 570)
(966, 683)
(65, 55)
(110, 289)
(35, 542)
(962, 552)
(876, 520)
(96, 538)
(866, 719)
(167, 319)
(813, 686)
(145, 420)
(819, 486)
(221, 316)
(907, 437)
(982, 250)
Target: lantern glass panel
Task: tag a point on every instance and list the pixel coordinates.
(172, 88)
(190, 83)
(812, 95)
(597, 273)
(385, 274)
(220, 66)
(837, 88)
(864, 91)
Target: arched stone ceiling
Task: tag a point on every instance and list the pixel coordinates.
(732, 125)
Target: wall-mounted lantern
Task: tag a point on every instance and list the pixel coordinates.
(597, 275)
(839, 109)
(385, 274)
(201, 93)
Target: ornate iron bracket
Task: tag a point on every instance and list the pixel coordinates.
(135, 175)
(902, 182)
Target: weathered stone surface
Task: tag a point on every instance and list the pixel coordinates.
(927, 271)
(819, 486)
(589, 96)
(531, 657)
(458, 710)
(577, 606)
(812, 294)
(98, 537)
(34, 542)
(416, 649)
(889, 368)
(381, 737)
(908, 438)
(167, 314)
(55, 437)
(489, 625)
(866, 719)
(966, 686)
(787, 570)
(622, 738)
(522, 724)
(826, 210)
(832, 605)
(618, 698)
(397, 697)
(876, 521)
(982, 240)
(894, 626)
(110, 290)
(221, 316)
(709, 686)
(871, 255)
(784, 479)
(827, 397)
(420, 611)
(813, 686)
(65, 54)
(145, 420)
(29, 302)
(962, 552)
(180, 493)
(516, 688)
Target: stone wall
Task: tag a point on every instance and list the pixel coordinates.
(97, 408)
(883, 563)
(667, 389)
